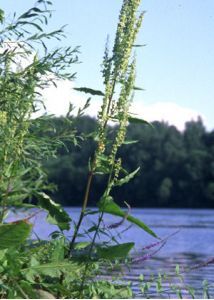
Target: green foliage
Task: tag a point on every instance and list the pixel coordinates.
(27, 66)
(107, 205)
(89, 91)
(81, 245)
(39, 271)
(52, 269)
(172, 286)
(127, 178)
(14, 234)
(56, 214)
(119, 75)
(205, 289)
(1, 16)
(113, 252)
(165, 189)
(103, 289)
(135, 120)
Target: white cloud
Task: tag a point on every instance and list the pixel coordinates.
(57, 102)
(57, 99)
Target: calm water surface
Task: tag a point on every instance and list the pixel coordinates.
(193, 243)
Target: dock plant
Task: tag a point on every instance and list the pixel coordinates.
(62, 267)
(119, 72)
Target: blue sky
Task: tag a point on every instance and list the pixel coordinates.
(176, 68)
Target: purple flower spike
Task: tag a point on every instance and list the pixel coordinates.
(115, 225)
(203, 264)
(148, 255)
(159, 242)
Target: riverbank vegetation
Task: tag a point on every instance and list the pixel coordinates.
(63, 267)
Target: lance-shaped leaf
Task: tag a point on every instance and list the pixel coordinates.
(107, 205)
(56, 214)
(14, 234)
(136, 88)
(89, 91)
(127, 178)
(81, 245)
(137, 45)
(135, 120)
(113, 252)
(130, 142)
(1, 16)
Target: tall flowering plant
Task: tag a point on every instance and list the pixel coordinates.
(119, 72)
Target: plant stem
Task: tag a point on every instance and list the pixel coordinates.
(85, 201)
(89, 254)
(22, 292)
(4, 202)
(95, 234)
(89, 181)
(110, 100)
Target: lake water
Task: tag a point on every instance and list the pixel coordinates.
(193, 243)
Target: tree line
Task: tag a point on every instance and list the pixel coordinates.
(176, 168)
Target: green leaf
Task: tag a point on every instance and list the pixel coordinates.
(30, 23)
(117, 251)
(177, 270)
(130, 142)
(28, 14)
(136, 88)
(1, 16)
(138, 121)
(191, 292)
(127, 178)
(2, 254)
(26, 205)
(56, 214)
(205, 287)
(28, 289)
(14, 234)
(102, 165)
(138, 45)
(89, 91)
(44, 294)
(91, 212)
(58, 253)
(107, 205)
(53, 269)
(92, 229)
(81, 245)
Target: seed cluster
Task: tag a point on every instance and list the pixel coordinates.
(118, 72)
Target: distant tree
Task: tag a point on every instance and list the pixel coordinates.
(164, 191)
(177, 168)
